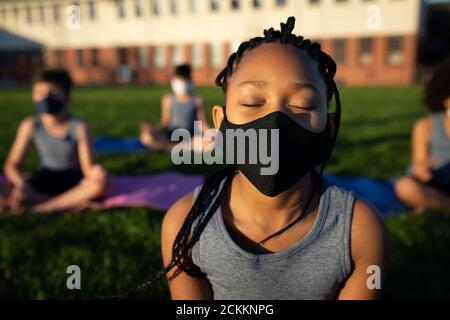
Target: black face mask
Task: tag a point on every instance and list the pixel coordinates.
(51, 105)
(300, 151)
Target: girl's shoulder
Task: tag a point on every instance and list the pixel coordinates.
(425, 123)
(177, 214)
(344, 201)
(29, 122)
(363, 227)
(27, 126)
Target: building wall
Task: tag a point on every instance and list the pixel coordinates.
(352, 70)
(106, 31)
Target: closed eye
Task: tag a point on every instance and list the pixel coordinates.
(299, 107)
(253, 105)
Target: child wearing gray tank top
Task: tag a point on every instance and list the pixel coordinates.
(179, 110)
(427, 181)
(287, 234)
(67, 177)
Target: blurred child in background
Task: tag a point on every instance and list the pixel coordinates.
(427, 184)
(179, 110)
(67, 177)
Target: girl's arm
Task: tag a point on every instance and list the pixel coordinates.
(421, 160)
(165, 111)
(86, 154)
(368, 252)
(18, 152)
(182, 286)
(200, 104)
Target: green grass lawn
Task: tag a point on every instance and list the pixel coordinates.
(120, 248)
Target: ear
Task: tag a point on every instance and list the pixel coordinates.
(218, 114)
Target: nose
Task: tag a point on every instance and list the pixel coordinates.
(281, 105)
(278, 104)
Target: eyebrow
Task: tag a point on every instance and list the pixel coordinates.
(263, 84)
(256, 83)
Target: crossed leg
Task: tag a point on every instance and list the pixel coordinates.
(419, 196)
(77, 198)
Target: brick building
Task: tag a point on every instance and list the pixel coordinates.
(374, 42)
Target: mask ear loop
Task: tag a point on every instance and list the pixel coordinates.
(337, 98)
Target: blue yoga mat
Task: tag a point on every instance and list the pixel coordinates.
(379, 193)
(119, 145)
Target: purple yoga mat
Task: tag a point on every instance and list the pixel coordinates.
(158, 191)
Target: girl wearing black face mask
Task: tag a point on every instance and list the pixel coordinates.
(67, 178)
(289, 235)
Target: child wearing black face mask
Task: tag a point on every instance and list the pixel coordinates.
(178, 111)
(289, 235)
(67, 178)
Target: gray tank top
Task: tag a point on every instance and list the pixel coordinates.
(182, 114)
(314, 268)
(439, 145)
(57, 153)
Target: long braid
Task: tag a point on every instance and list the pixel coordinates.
(184, 241)
(186, 237)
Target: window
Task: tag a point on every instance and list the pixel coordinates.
(60, 58)
(123, 56)
(142, 56)
(159, 57)
(197, 55)
(366, 47)
(177, 55)
(91, 9)
(339, 50)
(174, 7)
(16, 13)
(216, 54)
(80, 58)
(155, 8)
(257, 4)
(42, 13)
(235, 4)
(121, 8)
(195, 6)
(215, 5)
(395, 52)
(95, 60)
(56, 15)
(29, 15)
(138, 8)
(280, 3)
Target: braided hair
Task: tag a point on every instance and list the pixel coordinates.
(211, 195)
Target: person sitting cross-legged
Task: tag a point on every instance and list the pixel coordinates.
(67, 178)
